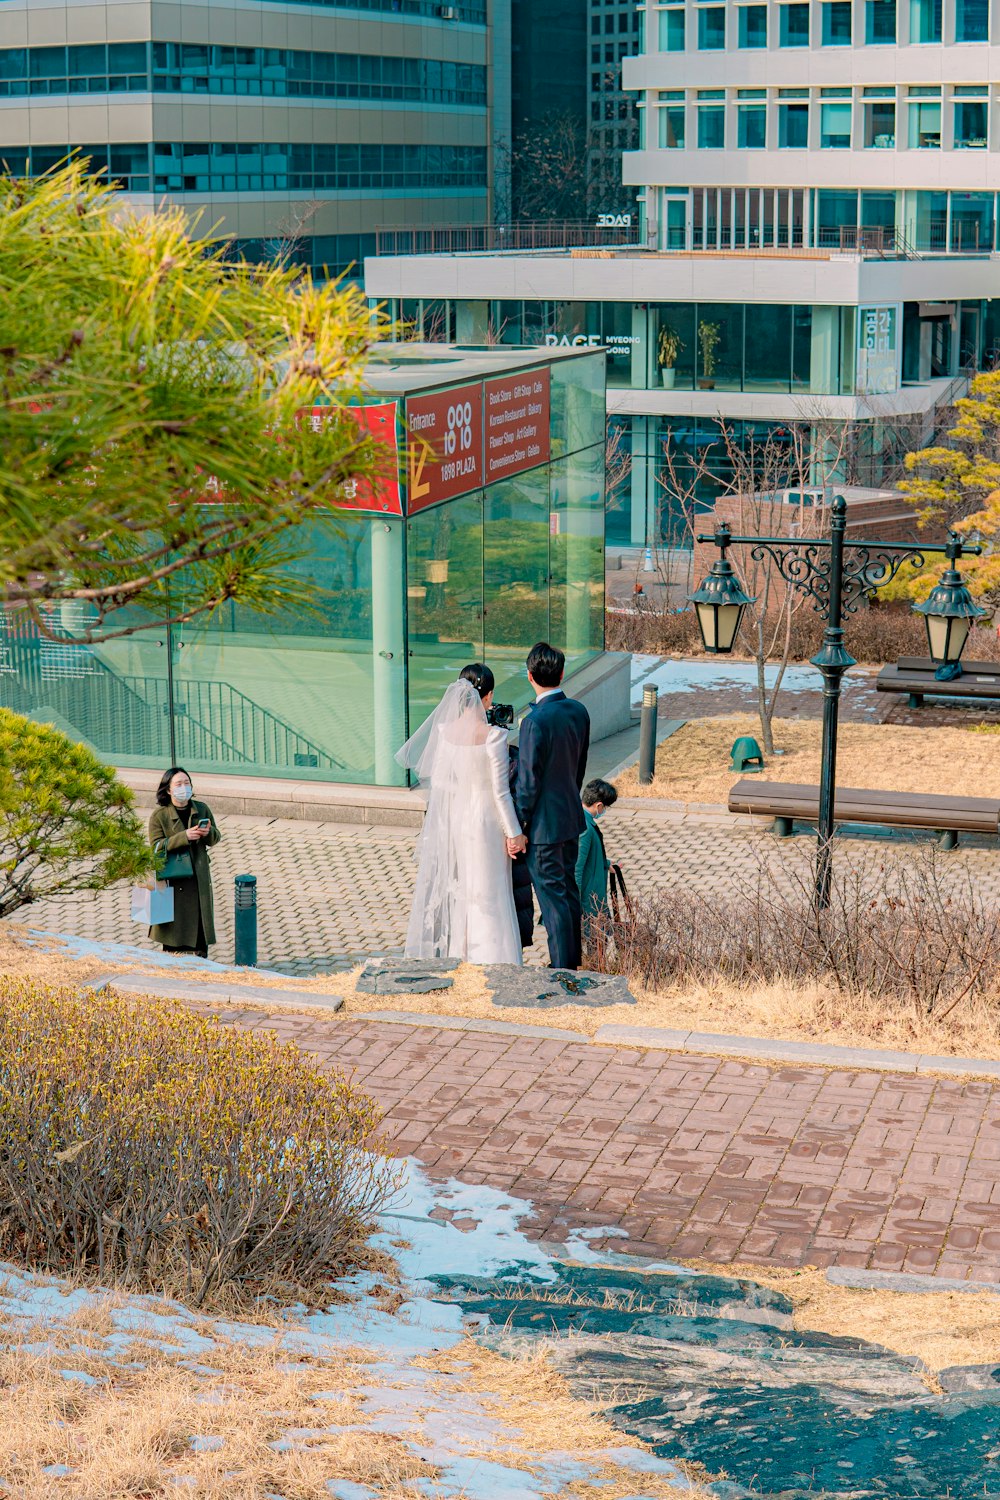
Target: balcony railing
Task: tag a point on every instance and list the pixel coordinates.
(544, 234)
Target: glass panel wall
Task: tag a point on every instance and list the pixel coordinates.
(308, 693)
(444, 598)
(515, 575)
(114, 698)
(576, 530)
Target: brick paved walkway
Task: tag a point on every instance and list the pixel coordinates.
(692, 1156)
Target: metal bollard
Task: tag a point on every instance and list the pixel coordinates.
(246, 922)
(647, 735)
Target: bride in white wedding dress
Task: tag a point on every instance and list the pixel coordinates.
(463, 906)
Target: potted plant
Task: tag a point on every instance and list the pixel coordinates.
(668, 346)
(708, 338)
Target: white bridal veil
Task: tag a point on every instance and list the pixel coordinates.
(450, 849)
(459, 719)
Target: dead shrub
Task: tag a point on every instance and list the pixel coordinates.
(876, 635)
(915, 932)
(155, 1148)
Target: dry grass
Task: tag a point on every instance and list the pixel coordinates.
(525, 1391)
(692, 765)
(130, 1432)
(799, 1013)
(938, 1328)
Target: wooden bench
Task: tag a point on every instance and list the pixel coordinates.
(788, 803)
(914, 675)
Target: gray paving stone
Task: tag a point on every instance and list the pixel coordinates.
(805, 1052)
(406, 976)
(544, 989)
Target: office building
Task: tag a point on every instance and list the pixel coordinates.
(294, 129)
(817, 185)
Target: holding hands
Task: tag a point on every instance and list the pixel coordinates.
(517, 845)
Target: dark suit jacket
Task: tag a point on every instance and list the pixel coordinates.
(552, 764)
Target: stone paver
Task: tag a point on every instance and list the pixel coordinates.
(329, 892)
(691, 1155)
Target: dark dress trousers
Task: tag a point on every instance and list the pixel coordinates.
(552, 763)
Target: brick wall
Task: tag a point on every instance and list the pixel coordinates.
(886, 518)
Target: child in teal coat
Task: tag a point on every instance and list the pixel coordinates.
(592, 863)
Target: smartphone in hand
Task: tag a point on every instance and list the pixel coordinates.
(205, 824)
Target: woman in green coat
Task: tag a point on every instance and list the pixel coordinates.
(179, 824)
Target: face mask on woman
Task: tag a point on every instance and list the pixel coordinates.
(181, 794)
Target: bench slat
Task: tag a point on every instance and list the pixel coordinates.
(860, 805)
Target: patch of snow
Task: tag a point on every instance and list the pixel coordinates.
(436, 1418)
(687, 676)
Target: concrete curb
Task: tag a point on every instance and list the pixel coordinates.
(773, 1049)
(253, 995)
(466, 1023)
(642, 1038)
(903, 1281)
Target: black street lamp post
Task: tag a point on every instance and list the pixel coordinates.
(836, 575)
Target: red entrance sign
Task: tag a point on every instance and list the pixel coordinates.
(444, 446)
(517, 423)
(381, 493)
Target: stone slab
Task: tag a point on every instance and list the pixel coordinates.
(544, 989)
(249, 995)
(980, 1066)
(466, 1023)
(653, 1038)
(406, 976)
(903, 1281)
(770, 1049)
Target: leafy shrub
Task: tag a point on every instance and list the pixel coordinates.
(157, 1148)
(901, 931)
(66, 821)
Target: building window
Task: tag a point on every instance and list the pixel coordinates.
(793, 126)
(794, 25)
(835, 126)
(925, 124)
(970, 124)
(925, 20)
(837, 23)
(880, 122)
(751, 127)
(880, 22)
(711, 28)
(972, 20)
(753, 25)
(672, 127)
(711, 127)
(671, 31)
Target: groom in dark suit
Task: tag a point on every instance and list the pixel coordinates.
(552, 764)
